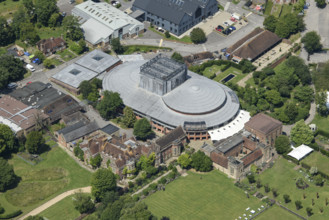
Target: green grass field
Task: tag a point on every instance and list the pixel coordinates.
(212, 70)
(276, 212)
(276, 11)
(316, 159)
(238, 75)
(8, 7)
(201, 196)
(66, 55)
(48, 32)
(63, 210)
(286, 9)
(57, 173)
(142, 48)
(282, 177)
(268, 7)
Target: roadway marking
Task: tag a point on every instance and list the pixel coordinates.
(250, 13)
(227, 5)
(160, 44)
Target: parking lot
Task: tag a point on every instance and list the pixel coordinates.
(211, 23)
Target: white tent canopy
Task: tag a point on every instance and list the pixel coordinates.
(300, 152)
(231, 128)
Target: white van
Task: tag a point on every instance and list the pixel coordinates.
(30, 67)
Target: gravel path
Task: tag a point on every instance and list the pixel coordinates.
(55, 200)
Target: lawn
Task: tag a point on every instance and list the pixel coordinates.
(8, 7)
(48, 32)
(282, 177)
(66, 55)
(322, 123)
(63, 210)
(276, 11)
(286, 9)
(238, 75)
(316, 159)
(209, 71)
(276, 212)
(56, 173)
(185, 39)
(201, 196)
(268, 7)
(251, 82)
(142, 48)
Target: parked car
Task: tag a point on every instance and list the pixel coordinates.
(226, 24)
(160, 29)
(232, 28)
(36, 61)
(30, 67)
(220, 27)
(12, 85)
(28, 82)
(115, 3)
(227, 31)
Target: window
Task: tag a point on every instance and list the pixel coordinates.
(97, 57)
(75, 72)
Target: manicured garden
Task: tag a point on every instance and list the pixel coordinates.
(63, 210)
(201, 196)
(56, 173)
(283, 176)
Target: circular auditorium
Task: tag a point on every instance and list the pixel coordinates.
(165, 92)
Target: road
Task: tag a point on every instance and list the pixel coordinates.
(55, 200)
(317, 19)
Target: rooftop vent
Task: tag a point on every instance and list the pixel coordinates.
(97, 57)
(75, 72)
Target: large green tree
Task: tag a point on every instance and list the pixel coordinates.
(198, 36)
(312, 42)
(109, 106)
(177, 57)
(44, 10)
(301, 133)
(273, 97)
(35, 142)
(7, 175)
(7, 139)
(320, 3)
(7, 34)
(19, 17)
(282, 144)
(270, 23)
(142, 129)
(72, 28)
(102, 181)
(201, 162)
(184, 161)
(83, 203)
(300, 69)
(96, 161)
(116, 46)
(139, 211)
(304, 94)
(129, 117)
(28, 33)
(85, 88)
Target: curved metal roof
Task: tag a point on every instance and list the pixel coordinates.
(124, 79)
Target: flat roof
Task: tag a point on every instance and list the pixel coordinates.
(97, 61)
(95, 32)
(229, 143)
(131, 57)
(74, 74)
(300, 152)
(124, 79)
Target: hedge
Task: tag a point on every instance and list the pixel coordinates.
(11, 215)
(306, 166)
(323, 133)
(290, 158)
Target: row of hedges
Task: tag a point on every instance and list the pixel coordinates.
(306, 166)
(323, 133)
(242, 66)
(11, 215)
(286, 156)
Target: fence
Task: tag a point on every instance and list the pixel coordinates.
(298, 215)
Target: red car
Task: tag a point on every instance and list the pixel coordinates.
(28, 83)
(218, 29)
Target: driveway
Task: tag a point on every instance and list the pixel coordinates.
(65, 6)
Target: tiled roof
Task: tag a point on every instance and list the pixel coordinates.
(219, 159)
(169, 138)
(253, 156)
(263, 123)
(49, 44)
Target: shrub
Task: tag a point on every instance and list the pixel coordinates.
(275, 192)
(145, 192)
(267, 188)
(251, 178)
(11, 215)
(309, 211)
(298, 204)
(286, 198)
(301, 184)
(318, 180)
(197, 35)
(167, 34)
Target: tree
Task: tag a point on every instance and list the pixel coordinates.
(7, 175)
(177, 57)
(139, 211)
(286, 198)
(298, 204)
(28, 33)
(129, 117)
(167, 34)
(300, 69)
(184, 161)
(309, 211)
(282, 144)
(312, 42)
(320, 3)
(34, 142)
(273, 97)
(304, 94)
(19, 17)
(83, 203)
(291, 111)
(11, 69)
(7, 138)
(270, 23)
(116, 46)
(142, 129)
(54, 20)
(83, 45)
(201, 162)
(85, 88)
(251, 178)
(282, 29)
(7, 35)
(109, 106)
(76, 48)
(96, 161)
(301, 133)
(29, 6)
(102, 181)
(39, 55)
(247, 66)
(313, 171)
(318, 180)
(72, 28)
(274, 192)
(78, 153)
(44, 10)
(145, 162)
(197, 35)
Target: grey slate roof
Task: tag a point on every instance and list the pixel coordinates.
(78, 130)
(169, 138)
(170, 10)
(229, 143)
(110, 129)
(97, 61)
